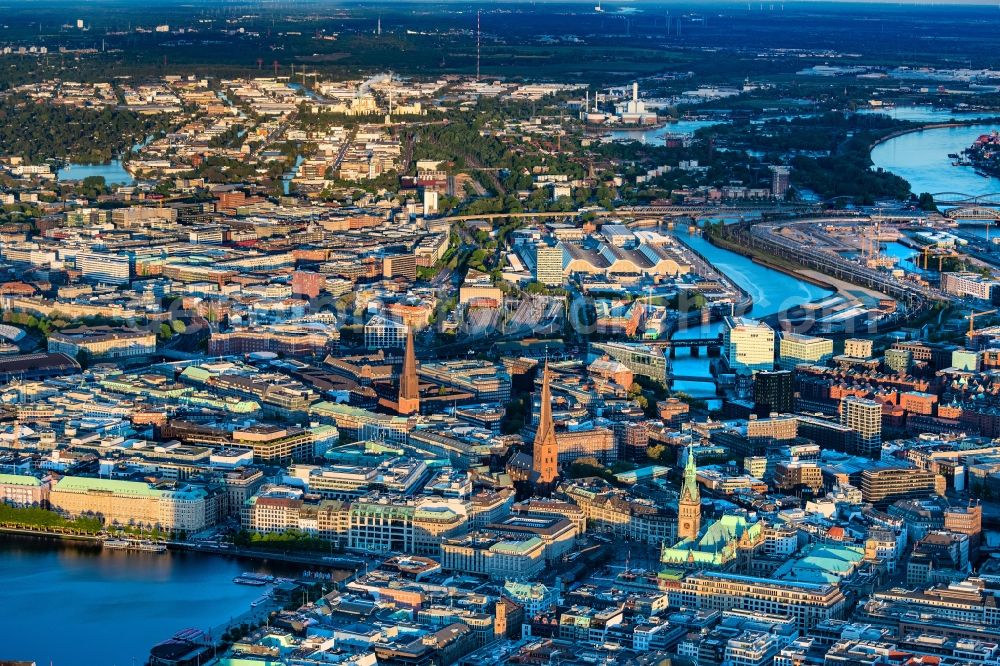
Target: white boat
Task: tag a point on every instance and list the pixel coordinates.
(256, 582)
(250, 575)
(261, 600)
(143, 545)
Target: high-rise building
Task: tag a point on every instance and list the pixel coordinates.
(105, 268)
(966, 360)
(898, 360)
(748, 345)
(966, 519)
(409, 385)
(884, 486)
(308, 283)
(780, 181)
(549, 264)
(971, 284)
(858, 348)
(384, 333)
(864, 418)
(545, 453)
(689, 504)
(400, 265)
(430, 202)
(795, 348)
(773, 391)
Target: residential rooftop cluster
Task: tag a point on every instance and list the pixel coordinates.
(383, 330)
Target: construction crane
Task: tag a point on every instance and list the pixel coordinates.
(972, 319)
(941, 256)
(871, 239)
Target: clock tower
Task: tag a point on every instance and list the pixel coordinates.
(689, 505)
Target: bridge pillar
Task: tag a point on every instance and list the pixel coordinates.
(673, 351)
(714, 350)
(695, 352)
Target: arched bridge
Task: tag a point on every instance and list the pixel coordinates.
(962, 199)
(974, 213)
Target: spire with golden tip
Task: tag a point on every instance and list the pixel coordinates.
(545, 455)
(409, 386)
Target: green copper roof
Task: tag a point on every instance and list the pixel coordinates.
(821, 563)
(80, 484)
(19, 480)
(136, 489)
(516, 547)
(195, 373)
(716, 545)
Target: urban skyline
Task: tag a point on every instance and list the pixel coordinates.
(401, 333)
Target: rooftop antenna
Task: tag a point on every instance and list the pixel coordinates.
(479, 41)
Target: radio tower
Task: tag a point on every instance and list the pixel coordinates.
(479, 41)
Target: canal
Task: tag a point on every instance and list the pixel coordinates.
(73, 604)
(772, 291)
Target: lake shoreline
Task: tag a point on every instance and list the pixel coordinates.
(337, 561)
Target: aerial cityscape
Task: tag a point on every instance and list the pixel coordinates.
(407, 333)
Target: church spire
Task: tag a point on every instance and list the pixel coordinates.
(689, 490)
(545, 454)
(409, 385)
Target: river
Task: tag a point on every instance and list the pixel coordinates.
(656, 134)
(922, 159)
(927, 114)
(72, 604)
